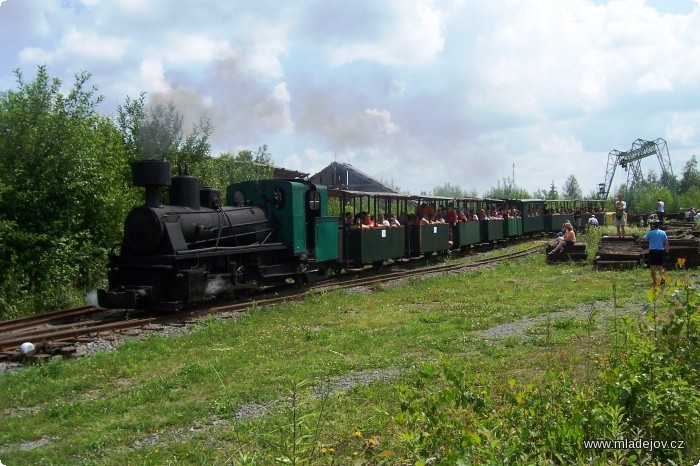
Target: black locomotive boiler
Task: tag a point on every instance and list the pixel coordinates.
(174, 255)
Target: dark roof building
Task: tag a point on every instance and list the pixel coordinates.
(345, 176)
(279, 173)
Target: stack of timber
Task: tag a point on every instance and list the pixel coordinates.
(618, 253)
(576, 253)
(683, 243)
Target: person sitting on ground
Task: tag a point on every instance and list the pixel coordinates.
(569, 239)
(593, 222)
(658, 246)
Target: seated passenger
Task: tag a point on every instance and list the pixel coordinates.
(382, 221)
(367, 221)
(347, 220)
(393, 222)
(462, 217)
(358, 219)
(451, 214)
(422, 211)
(569, 239)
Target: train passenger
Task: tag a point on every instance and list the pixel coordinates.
(347, 220)
(569, 239)
(422, 210)
(578, 217)
(482, 215)
(620, 216)
(367, 221)
(461, 217)
(393, 222)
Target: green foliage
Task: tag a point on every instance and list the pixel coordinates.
(65, 191)
(650, 391)
(229, 168)
(449, 190)
(156, 133)
(506, 189)
(571, 189)
(691, 176)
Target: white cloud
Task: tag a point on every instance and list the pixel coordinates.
(414, 37)
(92, 45)
(548, 85)
(153, 76)
(189, 48)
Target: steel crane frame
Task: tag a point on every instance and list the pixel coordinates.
(631, 161)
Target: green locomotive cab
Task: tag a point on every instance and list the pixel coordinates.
(299, 214)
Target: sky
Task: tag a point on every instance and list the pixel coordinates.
(415, 92)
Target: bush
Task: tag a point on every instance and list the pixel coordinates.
(649, 391)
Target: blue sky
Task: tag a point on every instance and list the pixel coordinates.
(416, 92)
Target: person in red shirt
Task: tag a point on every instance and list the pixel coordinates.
(451, 215)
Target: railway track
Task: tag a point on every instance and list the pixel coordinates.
(59, 333)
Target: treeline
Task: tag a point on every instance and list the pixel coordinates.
(65, 183)
(643, 197)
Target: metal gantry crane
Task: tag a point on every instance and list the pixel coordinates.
(631, 161)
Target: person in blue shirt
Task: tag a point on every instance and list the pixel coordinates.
(658, 246)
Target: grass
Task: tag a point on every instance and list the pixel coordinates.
(142, 403)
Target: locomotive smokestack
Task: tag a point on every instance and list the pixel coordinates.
(152, 175)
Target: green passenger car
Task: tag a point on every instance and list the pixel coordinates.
(492, 230)
(466, 234)
(372, 245)
(424, 239)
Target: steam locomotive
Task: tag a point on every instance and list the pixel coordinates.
(175, 255)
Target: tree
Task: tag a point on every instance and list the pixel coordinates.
(448, 190)
(571, 189)
(64, 193)
(229, 168)
(690, 177)
(157, 134)
(506, 190)
(552, 193)
(540, 194)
